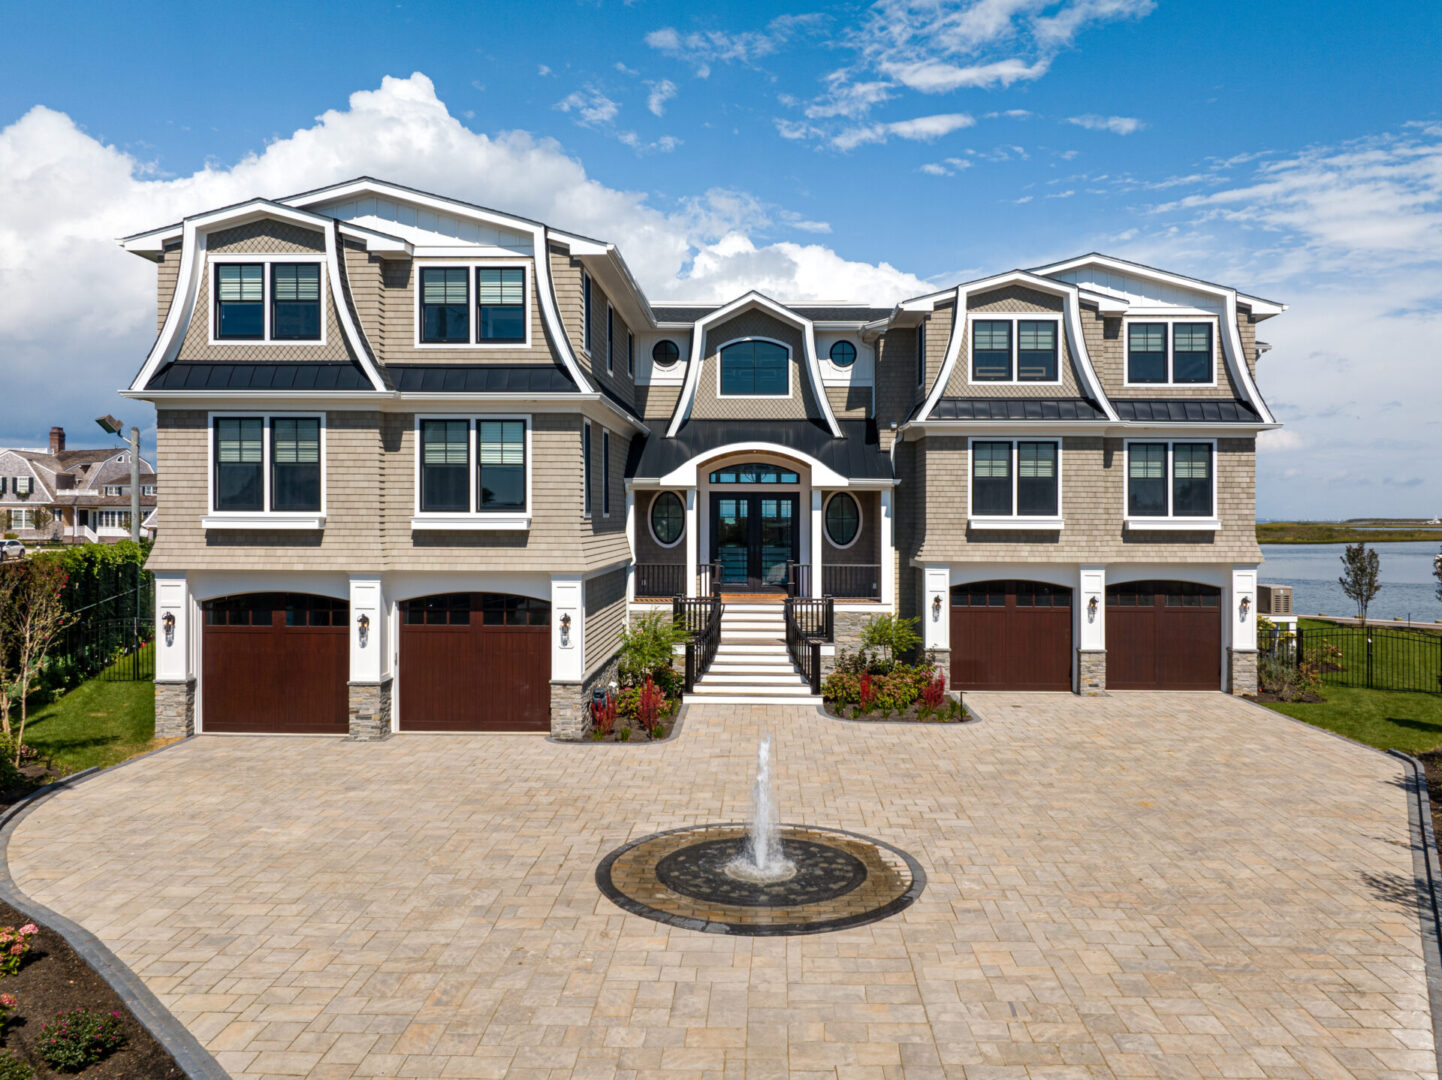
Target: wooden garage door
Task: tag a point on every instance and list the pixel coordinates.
(1164, 635)
(1011, 635)
(275, 663)
(475, 662)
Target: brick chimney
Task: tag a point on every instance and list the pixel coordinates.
(57, 439)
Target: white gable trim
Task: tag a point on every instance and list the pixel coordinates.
(751, 300)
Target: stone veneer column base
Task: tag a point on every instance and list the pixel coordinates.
(369, 709)
(571, 702)
(1241, 671)
(943, 663)
(1091, 665)
(174, 709)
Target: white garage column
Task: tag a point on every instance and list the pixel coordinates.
(1091, 637)
(174, 648)
(569, 716)
(630, 543)
(1241, 621)
(371, 682)
(936, 614)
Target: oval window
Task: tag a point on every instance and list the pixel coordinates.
(667, 518)
(843, 354)
(843, 519)
(665, 353)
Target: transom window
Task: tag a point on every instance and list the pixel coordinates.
(754, 474)
(266, 464)
(668, 518)
(1190, 469)
(447, 449)
(1014, 350)
(1178, 353)
(755, 369)
(1014, 479)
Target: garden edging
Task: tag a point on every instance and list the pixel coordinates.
(192, 1058)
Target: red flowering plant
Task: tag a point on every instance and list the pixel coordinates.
(934, 693)
(78, 1038)
(603, 716)
(866, 692)
(15, 946)
(651, 708)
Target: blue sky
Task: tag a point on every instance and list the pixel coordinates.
(833, 151)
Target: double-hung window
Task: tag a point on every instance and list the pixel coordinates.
(605, 473)
(265, 465)
(240, 301)
(1015, 479)
(1035, 350)
(445, 466)
(239, 463)
(1015, 350)
(445, 306)
(610, 338)
(921, 355)
(991, 350)
(1171, 480)
(501, 304)
(295, 463)
(502, 481)
(472, 473)
(1170, 353)
(586, 312)
(586, 468)
(630, 354)
(295, 301)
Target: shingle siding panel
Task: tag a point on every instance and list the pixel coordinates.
(709, 405)
(1014, 300)
(605, 599)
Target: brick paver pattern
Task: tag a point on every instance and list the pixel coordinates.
(1139, 885)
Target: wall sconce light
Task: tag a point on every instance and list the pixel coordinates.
(565, 630)
(168, 622)
(1246, 606)
(936, 606)
(364, 622)
(1092, 609)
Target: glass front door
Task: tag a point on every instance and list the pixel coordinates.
(753, 537)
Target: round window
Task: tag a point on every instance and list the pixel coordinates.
(843, 519)
(665, 353)
(843, 354)
(667, 518)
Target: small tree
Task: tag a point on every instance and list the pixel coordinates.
(36, 616)
(9, 582)
(649, 644)
(895, 636)
(1361, 573)
(1437, 573)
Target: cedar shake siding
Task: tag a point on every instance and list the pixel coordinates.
(850, 402)
(603, 538)
(266, 237)
(896, 390)
(709, 405)
(1106, 343)
(605, 597)
(647, 549)
(167, 274)
(657, 402)
(1014, 300)
(566, 282)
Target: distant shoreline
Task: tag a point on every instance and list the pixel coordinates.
(1371, 530)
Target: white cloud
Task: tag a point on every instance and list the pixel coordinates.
(543, 70)
(590, 107)
(1117, 125)
(701, 48)
(661, 92)
(918, 129)
(949, 167)
(65, 196)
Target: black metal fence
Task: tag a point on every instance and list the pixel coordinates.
(851, 581)
(117, 650)
(660, 580)
(1371, 658)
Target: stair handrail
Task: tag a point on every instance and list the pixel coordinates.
(809, 623)
(702, 620)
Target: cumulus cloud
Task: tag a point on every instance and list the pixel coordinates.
(1117, 125)
(65, 195)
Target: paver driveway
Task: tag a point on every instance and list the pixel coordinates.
(1141, 885)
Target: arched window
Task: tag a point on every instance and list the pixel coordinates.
(665, 353)
(755, 368)
(843, 354)
(843, 519)
(667, 518)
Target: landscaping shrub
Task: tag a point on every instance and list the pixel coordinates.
(1279, 674)
(892, 636)
(603, 716)
(12, 1068)
(10, 777)
(79, 1038)
(649, 645)
(15, 946)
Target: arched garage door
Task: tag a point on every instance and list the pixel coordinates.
(1164, 635)
(475, 662)
(275, 663)
(1011, 635)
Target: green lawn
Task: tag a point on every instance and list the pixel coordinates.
(97, 723)
(1403, 658)
(1386, 719)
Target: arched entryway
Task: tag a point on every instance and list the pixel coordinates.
(473, 661)
(275, 663)
(1011, 635)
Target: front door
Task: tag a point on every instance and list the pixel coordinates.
(753, 536)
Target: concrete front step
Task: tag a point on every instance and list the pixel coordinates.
(770, 678)
(707, 688)
(767, 698)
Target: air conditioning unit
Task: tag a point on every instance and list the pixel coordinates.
(1274, 599)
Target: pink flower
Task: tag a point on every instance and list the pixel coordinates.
(17, 949)
(30, 928)
(9, 1001)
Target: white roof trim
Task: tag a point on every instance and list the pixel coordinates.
(751, 299)
(822, 475)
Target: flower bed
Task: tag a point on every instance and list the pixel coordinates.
(914, 692)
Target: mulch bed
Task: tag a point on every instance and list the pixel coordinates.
(911, 715)
(34, 775)
(1267, 695)
(638, 735)
(53, 980)
(1432, 764)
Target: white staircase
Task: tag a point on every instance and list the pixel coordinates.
(752, 666)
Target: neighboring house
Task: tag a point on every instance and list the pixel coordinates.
(423, 460)
(72, 496)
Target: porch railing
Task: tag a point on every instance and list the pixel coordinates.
(660, 580)
(851, 581)
(798, 579)
(809, 624)
(701, 618)
(708, 579)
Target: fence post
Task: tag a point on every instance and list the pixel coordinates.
(690, 666)
(1299, 646)
(1369, 661)
(815, 665)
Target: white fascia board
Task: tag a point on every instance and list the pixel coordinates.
(685, 475)
(378, 243)
(369, 186)
(604, 263)
(953, 346)
(1118, 429)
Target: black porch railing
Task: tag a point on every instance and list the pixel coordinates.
(1371, 658)
(701, 618)
(708, 579)
(660, 580)
(809, 624)
(851, 581)
(798, 579)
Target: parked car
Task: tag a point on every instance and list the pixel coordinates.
(11, 549)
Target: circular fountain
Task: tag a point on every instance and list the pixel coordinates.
(761, 877)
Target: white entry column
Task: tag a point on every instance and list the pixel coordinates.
(693, 543)
(175, 648)
(1091, 630)
(817, 543)
(887, 570)
(1241, 618)
(936, 609)
(370, 683)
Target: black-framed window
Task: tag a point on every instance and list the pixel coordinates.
(991, 350)
(502, 481)
(295, 301)
(445, 466)
(586, 311)
(295, 463)
(991, 479)
(1036, 350)
(240, 301)
(754, 368)
(756, 473)
(610, 339)
(1191, 352)
(1191, 479)
(1147, 353)
(843, 518)
(1147, 479)
(665, 353)
(921, 354)
(239, 463)
(586, 468)
(605, 473)
(630, 354)
(445, 306)
(1036, 479)
(843, 354)
(668, 517)
(501, 304)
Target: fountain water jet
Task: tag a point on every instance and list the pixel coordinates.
(761, 859)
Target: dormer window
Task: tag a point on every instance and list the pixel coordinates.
(295, 301)
(292, 314)
(1015, 350)
(1170, 352)
(755, 369)
(445, 306)
(499, 316)
(240, 301)
(502, 312)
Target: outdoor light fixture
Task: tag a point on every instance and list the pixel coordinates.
(168, 622)
(565, 630)
(936, 606)
(364, 622)
(1092, 609)
(1246, 605)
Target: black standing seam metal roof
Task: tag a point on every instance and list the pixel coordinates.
(480, 378)
(989, 408)
(1185, 411)
(317, 375)
(857, 455)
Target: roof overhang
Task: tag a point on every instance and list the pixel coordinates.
(1256, 304)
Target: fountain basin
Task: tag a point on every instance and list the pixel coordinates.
(687, 877)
